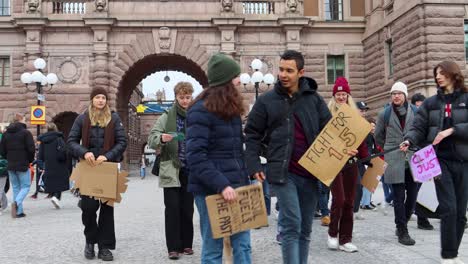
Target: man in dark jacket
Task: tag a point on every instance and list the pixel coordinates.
(287, 119)
(18, 148)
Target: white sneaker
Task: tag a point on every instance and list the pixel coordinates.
(359, 216)
(348, 247)
(332, 243)
(458, 261)
(55, 202)
(448, 261)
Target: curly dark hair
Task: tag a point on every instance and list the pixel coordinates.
(224, 101)
(452, 71)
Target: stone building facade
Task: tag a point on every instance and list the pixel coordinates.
(115, 44)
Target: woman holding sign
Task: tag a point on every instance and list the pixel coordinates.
(102, 139)
(215, 153)
(343, 188)
(168, 135)
(442, 120)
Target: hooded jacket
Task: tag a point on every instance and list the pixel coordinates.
(17, 147)
(53, 153)
(272, 117)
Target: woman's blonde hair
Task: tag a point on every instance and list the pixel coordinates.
(333, 106)
(99, 118)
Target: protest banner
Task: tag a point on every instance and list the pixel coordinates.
(424, 164)
(328, 153)
(372, 176)
(247, 212)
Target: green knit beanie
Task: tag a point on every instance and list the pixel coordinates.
(221, 70)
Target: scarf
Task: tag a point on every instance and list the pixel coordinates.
(170, 151)
(109, 137)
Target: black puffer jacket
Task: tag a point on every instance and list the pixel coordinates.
(430, 118)
(274, 110)
(17, 147)
(52, 153)
(96, 140)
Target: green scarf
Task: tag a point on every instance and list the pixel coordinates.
(170, 149)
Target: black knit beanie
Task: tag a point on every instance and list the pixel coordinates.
(221, 70)
(98, 90)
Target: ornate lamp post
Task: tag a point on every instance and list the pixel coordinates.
(41, 80)
(257, 76)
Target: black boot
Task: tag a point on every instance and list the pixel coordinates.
(424, 224)
(105, 254)
(89, 251)
(404, 238)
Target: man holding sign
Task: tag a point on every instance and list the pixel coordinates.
(288, 119)
(442, 120)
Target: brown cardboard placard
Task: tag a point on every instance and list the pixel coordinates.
(370, 179)
(98, 181)
(247, 212)
(328, 153)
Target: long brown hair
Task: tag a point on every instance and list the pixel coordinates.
(451, 70)
(224, 101)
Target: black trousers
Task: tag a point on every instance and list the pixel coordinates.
(404, 200)
(102, 230)
(178, 216)
(57, 195)
(452, 193)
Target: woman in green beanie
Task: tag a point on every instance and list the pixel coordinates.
(168, 134)
(215, 153)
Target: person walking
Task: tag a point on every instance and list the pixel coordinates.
(102, 138)
(215, 154)
(17, 146)
(343, 187)
(287, 119)
(442, 120)
(3, 180)
(168, 134)
(52, 151)
(393, 122)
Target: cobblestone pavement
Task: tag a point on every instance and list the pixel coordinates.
(53, 236)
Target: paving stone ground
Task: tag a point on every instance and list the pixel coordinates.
(53, 236)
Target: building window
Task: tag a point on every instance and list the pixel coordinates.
(4, 71)
(4, 7)
(388, 43)
(335, 67)
(466, 41)
(334, 9)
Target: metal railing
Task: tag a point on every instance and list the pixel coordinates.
(68, 7)
(258, 8)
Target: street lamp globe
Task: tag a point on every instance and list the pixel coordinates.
(52, 78)
(39, 63)
(37, 76)
(245, 78)
(269, 79)
(257, 77)
(256, 64)
(26, 78)
(44, 80)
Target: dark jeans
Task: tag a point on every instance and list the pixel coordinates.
(324, 196)
(387, 189)
(452, 193)
(103, 231)
(343, 191)
(357, 199)
(178, 216)
(404, 200)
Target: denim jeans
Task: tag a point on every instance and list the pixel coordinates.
(3, 197)
(387, 189)
(452, 193)
(324, 196)
(366, 197)
(297, 199)
(21, 182)
(212, 249)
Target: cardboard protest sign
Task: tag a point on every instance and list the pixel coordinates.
(372, 176)
(427, 196)
(424, 164)
(328, 153)
(110, 182)
(247, 212)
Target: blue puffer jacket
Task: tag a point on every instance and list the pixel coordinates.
(214, 152)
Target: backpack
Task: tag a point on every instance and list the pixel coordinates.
(388, 112)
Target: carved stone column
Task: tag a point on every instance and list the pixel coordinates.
(228, 26)
(292, 27)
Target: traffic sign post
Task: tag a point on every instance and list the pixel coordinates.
(38, 115)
